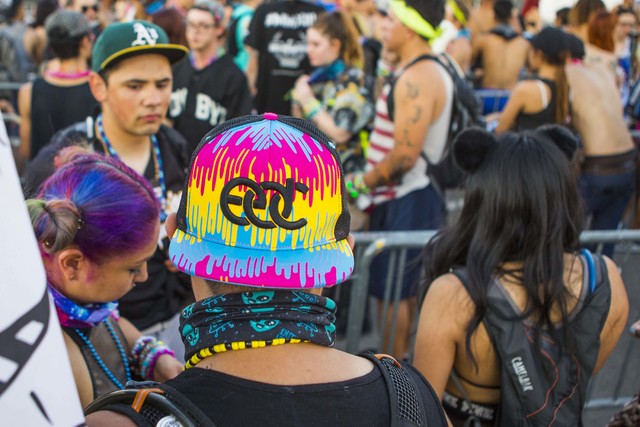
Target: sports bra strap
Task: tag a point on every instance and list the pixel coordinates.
(543, 93)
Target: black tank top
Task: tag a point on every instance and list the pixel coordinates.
(530, 121)
(106, 348)
(56, 107)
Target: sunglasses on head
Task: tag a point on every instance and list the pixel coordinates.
(86, 8)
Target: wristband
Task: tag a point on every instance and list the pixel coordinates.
(311, 108)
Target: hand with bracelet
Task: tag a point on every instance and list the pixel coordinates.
(152, 360)
(355, 185)
(303, 96)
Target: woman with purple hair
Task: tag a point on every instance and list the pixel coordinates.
(96, 223)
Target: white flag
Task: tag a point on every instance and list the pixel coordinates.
(36, 382)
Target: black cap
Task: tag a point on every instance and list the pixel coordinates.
(551, 41)
(575, 46)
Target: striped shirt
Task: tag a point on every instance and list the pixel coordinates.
(382, 142)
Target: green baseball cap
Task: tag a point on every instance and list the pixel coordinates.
(126, 39)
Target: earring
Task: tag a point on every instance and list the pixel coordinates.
(73, 276)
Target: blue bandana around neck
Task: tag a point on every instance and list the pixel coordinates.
(327, 73)
(73, 315)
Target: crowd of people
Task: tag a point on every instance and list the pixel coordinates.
(193, 170)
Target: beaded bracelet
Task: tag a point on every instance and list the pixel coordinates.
(145, 354)
(153, 358)
(311, 108)
(149, 363)
(356, 185)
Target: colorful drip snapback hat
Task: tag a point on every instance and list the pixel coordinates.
(264, 205)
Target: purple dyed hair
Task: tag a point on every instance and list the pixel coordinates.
(97, 203)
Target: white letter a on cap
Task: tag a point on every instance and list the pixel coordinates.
(145, 35)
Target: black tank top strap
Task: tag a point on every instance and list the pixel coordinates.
(468, 381)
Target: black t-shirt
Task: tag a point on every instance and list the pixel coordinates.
(164, 293)
(231, 401)
(278, 31)
(48, 114)
(202, 99)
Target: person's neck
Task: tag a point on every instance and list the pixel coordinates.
(548, 71)
(73, 65)
(127, 145)
(411, 51)
(580, 31)
(203, 57)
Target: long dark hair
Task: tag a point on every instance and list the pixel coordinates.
(521, 205)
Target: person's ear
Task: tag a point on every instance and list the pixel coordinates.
(335, 44)
(470, 148)
(171, 225)
(351, 240)
(98, 87)
(220, 31)
(72, 263)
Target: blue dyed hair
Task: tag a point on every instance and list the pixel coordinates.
(97, 203)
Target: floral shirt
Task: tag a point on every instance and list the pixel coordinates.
(347, 99)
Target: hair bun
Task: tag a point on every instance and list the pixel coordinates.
(560, 136)
(471, 147)
(56, 222)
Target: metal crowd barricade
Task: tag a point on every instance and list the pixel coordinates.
(492, 100)
(368, 245)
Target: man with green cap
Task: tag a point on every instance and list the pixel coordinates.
(131, 79)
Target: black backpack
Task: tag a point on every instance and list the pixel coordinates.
(546, 385)
(466, 112)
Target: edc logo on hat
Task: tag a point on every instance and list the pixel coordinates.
(264, 205)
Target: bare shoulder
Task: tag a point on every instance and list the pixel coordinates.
(448, 285)
(618, 290)
(524, 43)
(422, 72)
(524, 91)
(108, 419)
(448, 296)
(422, 78)
(617, 317)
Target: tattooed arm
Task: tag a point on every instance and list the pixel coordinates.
(419, 96)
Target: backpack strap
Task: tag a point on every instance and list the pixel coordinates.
(149, 402)
(405, 404)
(394, 79)
(596, 271)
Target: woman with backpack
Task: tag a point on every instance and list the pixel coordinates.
(96, 223)
(543, 99)
(516, 318)
(335, 96)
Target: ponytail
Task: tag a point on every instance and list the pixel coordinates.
(562, 92)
